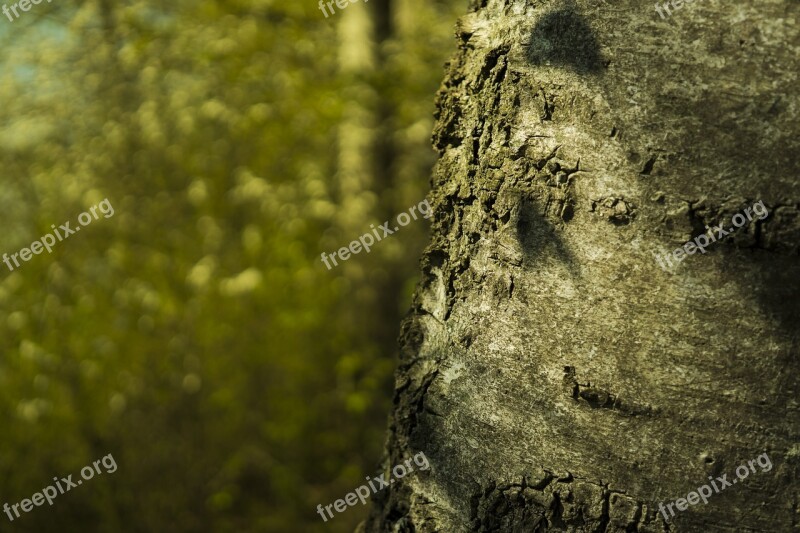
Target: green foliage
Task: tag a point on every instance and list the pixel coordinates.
(196, 335)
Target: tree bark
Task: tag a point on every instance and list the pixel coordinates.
(554, 375)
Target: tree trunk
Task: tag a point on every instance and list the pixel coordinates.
(555, 376)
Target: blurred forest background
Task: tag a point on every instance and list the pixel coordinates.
(196, 335)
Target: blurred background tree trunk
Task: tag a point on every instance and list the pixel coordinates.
(365, 168)
(555, 376)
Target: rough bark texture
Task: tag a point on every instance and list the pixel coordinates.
(556, 378)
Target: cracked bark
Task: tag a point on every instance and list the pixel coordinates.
(554, 375)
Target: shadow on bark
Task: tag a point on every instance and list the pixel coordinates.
(538, 237)
(564, 38)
